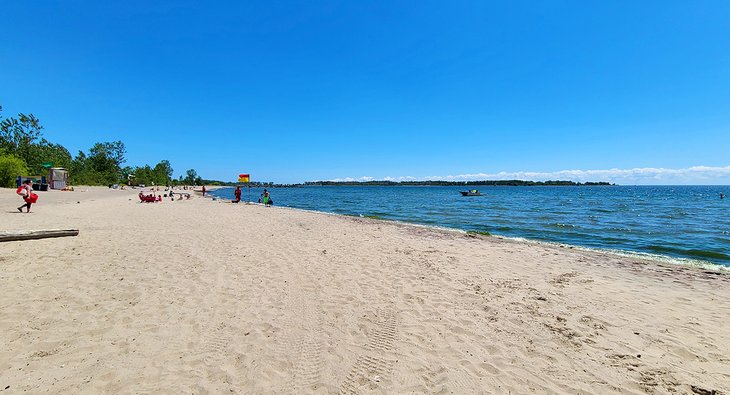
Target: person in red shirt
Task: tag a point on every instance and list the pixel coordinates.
(237, 193)
(203, 190)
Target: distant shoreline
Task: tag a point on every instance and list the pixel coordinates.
(432, 183)
(510, 183)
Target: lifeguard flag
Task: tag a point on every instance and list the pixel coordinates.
(244, 178)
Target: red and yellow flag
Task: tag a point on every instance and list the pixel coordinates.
(244, 178)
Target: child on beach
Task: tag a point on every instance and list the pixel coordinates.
(26, 192)
(267, 198)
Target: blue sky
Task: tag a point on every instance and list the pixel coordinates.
(295, 91)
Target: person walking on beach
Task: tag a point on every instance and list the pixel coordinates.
(203, 190)
(26, 192)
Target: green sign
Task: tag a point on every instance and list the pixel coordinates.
(48, 165)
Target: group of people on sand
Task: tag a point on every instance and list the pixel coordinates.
(149, 198)
(158, 198)
(29, 197)
(180, 195)
(265, 197)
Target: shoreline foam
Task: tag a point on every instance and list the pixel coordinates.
(657, 258)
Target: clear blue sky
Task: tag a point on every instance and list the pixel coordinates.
(294, 91)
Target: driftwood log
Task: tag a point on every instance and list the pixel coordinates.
(36, 234)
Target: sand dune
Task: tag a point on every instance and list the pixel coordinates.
(203, 297)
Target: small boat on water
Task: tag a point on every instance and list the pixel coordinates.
(472, 192)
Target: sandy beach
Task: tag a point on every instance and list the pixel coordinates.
(206, 297)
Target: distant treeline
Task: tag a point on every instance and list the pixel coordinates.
(252, 184)
(514, 183)
(25, 152)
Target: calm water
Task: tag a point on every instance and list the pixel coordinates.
(674, 221)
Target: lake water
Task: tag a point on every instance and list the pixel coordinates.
(687, 222)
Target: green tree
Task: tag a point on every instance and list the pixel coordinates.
(143, 175)
(163, 172)
(78, 174)
(10, 167)
(192, 175)
(18, 135)
(47, 152)
(22, 137)
(105, 160)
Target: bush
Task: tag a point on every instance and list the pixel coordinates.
(11, 167)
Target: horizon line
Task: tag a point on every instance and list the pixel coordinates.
(693, 175)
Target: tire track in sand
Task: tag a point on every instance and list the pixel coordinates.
(217, 335)
(372, 367)
(303, 341)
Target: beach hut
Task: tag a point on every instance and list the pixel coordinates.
(58, 178)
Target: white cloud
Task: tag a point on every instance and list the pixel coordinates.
(643, 175)
(351, 179)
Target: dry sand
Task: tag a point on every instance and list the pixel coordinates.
(208, 297)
